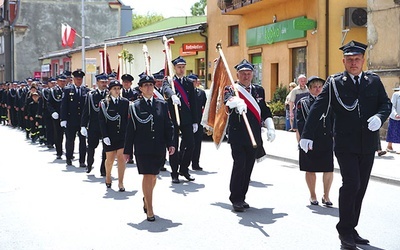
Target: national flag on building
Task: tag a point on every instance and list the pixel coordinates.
(67, 35)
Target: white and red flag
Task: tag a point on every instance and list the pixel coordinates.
(67, 35)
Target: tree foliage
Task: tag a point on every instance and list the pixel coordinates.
(139, 21)
(198, 9)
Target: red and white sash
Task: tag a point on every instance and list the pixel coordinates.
(251, 103)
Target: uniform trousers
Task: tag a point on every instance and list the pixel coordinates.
(93, 141)
(244, 157)
(180, 160)
(355, 170)
(198, 136)
(20, 118)
(70, 134)
(48, 122)
(58, 136)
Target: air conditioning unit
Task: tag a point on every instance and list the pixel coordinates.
(355, 17)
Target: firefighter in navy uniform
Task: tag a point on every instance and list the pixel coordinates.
(12, 93)
(244, 154)
(198, 136)
(54, 107)
(71, 113)
(2, 105)
(90, 122)
(185, 97)
(129, 94)
(360, 106)
(47, 121)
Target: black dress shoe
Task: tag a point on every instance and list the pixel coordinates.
(175, 180)
(347, 241)
(82, 165)
(163, 169)
(88, 169)
(246, 205)
(359, 240)
(187, 176)
(58, 157)
(198, 168)
(108, 185)
(238, 207)
(151, 218)
(326, 203)
(130, 161)
(69, 162)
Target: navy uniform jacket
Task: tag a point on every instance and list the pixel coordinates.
(55, 98)
(237, 131)
(322, 130)
(90, 115)
(129, 94)
(72, 105)
(153, 136)
(11, 97)
(201, 103)
(115, 130)
(351, 133)
(187, 115)
(42, 110)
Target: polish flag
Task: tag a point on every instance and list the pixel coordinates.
(67, 35)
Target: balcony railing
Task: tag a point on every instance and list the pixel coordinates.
(229, 5)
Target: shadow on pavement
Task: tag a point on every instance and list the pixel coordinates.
(368, 247)
(158, 226)
(116, 195)
(258, 184)
(186, 187)
(323, 210)
(73, 168)
(252, 217)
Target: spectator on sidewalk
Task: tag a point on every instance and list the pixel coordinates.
(321, 158)
(393, 131)
(289, 121)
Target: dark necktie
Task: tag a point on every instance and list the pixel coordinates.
(149, 102)
(356, 82)
(79, 91)
(116, 101)
(248, 89)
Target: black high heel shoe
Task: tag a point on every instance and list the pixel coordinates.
(108, 185)
(151, 218)
(144, 207)
(326, 203)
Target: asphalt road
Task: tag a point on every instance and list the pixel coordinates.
(46, 205)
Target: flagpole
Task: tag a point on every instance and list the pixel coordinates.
(246, 121)
(83, 36)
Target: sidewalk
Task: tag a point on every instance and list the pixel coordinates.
(386, 168)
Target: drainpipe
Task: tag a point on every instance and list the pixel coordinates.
(203, 28)
(326, 38)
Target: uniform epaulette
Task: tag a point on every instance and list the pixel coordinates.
(369, 72)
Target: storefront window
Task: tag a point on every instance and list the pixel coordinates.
(299, 62)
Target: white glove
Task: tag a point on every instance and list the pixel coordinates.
(63, 124)
(176, 100)
(306, 144)
(195, 127)
(233, 102)
(374, 123)
(84, 131)
(269, 124)
(55, 115)
(241, 107)
(107, 141)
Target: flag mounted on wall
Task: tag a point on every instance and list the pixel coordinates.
(67, 35)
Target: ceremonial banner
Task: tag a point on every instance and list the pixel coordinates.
(215, 115)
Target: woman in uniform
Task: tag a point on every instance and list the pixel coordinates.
(113, 117)
(150, 132)
(320, 159)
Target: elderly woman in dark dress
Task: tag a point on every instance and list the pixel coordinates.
(320, 159)
(150, 132)
(113, 117)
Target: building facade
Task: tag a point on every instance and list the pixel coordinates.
(284, 38)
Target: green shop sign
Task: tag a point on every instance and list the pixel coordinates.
(278, 32)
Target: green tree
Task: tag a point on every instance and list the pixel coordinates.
(198, 9)
(139, 21)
